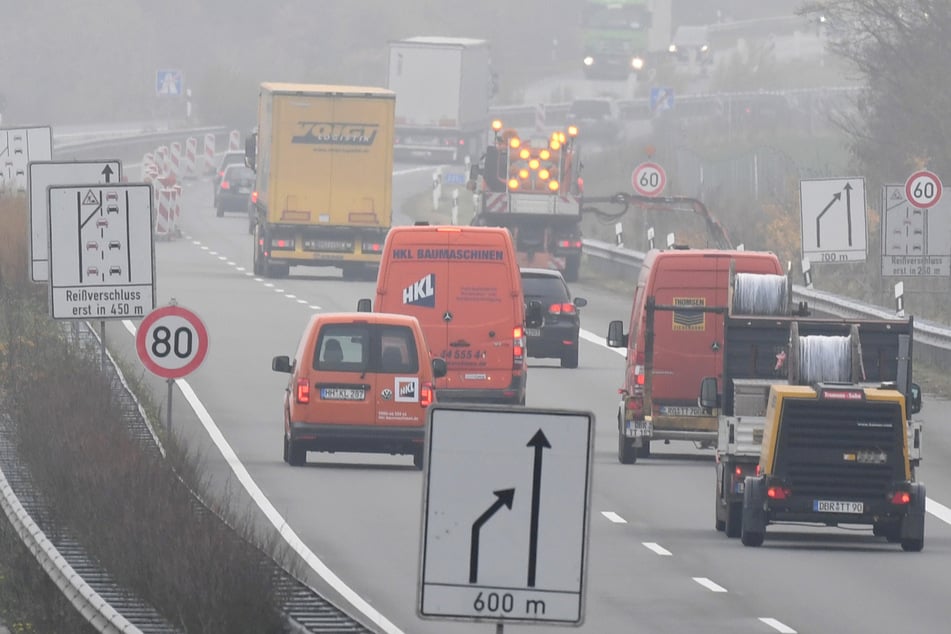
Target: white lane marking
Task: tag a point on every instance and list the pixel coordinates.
(203, 247)
(197, 243)
(212, 253)
(278, 290)
(779, 626)
(614, 517)
(312, 307)
(223, 258)
(302, 301)
(269, 284)
(657, 548)
(413, 170)
(593, 338)
(709, 585)
(238, 268)
(230, 263)
(289, 296)
(276, 519)
(939, 510)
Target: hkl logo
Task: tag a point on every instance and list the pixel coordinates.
(408, 389)
(422, 292)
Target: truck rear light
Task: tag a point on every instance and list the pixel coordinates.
(518, 347)
(372, 247)
(426, 394)
(778, 492)
(462, 141)
(302, 394)
(569, 244)
(282, 243)
(254, 197)
(901, 497)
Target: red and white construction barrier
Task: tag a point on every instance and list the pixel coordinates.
(190, 167)
(176, 227)
(234, 141)
(540, 118)
(208, 152)
(163, 214)
(176, 160)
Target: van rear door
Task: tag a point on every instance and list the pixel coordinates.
(481, 314)
(343, 387)
(398, 383)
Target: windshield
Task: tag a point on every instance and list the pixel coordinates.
(544, 286)
(617, 17)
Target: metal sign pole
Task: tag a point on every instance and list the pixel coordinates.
(102, 345)
(499, 628)
(168, 419)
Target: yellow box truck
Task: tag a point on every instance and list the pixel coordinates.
(323, 158)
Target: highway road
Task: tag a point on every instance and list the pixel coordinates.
(656, 562)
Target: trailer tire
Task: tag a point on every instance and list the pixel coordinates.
(296, 455)
(734, 519)
(644, 451)
(625, 449)
(753, 522)
(912, 531)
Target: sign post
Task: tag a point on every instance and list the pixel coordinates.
(505, 521)
(171, 342)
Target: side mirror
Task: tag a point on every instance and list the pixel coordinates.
(533, 314)
(251, 149)
(439, 368)
(580, 302)
(709, 398)
(281, 363)
(364, 305)
(914, 406)
(616, 337)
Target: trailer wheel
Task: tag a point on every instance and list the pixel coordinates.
(625, 449)
(296, 455)
(734, 519)
(912, 529)
(753, 522)
(644, 451)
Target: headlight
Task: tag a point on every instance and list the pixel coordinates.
(588, 61)
(637, 63)
(672, 48)
(704, 48)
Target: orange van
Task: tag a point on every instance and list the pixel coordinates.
(675, 340)
(463, 285)
(360, 382)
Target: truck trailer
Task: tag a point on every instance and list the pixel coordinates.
(323, 162)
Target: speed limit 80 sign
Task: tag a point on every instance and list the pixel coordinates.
(923, 189)
(171, 341)
(649, 179)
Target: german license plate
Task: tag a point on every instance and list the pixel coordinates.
(677, 410)
(342, 393)
(533, 332)
(838, 506)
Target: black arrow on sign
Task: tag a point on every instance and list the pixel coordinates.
(539, 442)
(848, 208)
(107, 172)
(504, 498)
(836, 197)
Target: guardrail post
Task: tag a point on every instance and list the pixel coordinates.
(650, 238)
(900, 299)
(455, 206)
(670, 240)
(619, 235)
(806, 273)
(437, 188)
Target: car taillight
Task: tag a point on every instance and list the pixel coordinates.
(462, 141)
(639, 375)
(518, 347)
(901, 497)
(221, 174)
(303, 391)
(225, 185)
(254, 197)
(426, 395)
(569, 244)
(778, 492)
(562, 309)
(635, 405)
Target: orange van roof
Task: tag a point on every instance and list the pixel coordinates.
(370, 318)
(689, 255)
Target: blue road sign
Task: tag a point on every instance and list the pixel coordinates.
(661, 98)
(168, 82)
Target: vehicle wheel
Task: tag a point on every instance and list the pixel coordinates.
(720, 525)
(418, 458)
(912, 527)
(569, 359)
(250, 227)
(912, 545)
(286, 450)
(219, 210)
(644, 451)
(625, 450)
(296, 455)
(734, 520)
(753, 521)
(749, 538)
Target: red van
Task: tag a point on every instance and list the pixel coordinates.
(675, 340)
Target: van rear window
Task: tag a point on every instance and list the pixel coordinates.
(366, 347)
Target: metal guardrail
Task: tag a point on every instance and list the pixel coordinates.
(932, 340)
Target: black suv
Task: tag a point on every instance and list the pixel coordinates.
(557, 337)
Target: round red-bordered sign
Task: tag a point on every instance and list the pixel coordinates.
(923, 189)
(649, 179)
(171, 341)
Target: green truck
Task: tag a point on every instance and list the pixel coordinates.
(624, 36)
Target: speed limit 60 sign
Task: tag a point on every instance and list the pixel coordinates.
(923, 189)
(171, 341)
(649, 179)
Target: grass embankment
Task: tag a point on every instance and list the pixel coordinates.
(132, 509)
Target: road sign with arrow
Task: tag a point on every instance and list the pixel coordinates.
(42, 174)
(834, 225)
(505, 514)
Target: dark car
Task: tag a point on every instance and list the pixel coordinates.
(228, 158)
(597, 118)
(557, 337)
(234, 190)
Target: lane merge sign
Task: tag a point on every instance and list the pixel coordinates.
(649, 179)
(101, 251)
(171, 341)
(923, 189)
(42, 174)
(19, 146)
(506, 509)
(833, 219)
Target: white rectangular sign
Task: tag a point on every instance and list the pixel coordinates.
(507, 495)
(915, 242)
(833, 212)
(19, 146)
(42, 174)
(101, 251)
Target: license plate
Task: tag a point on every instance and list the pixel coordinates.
(342, 393)
(675, 410)
(533, 332)
(837, 506)
(739, 488)
(244, 190)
